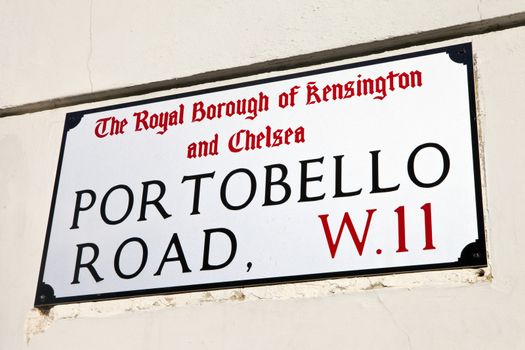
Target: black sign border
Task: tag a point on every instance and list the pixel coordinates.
(474, 255)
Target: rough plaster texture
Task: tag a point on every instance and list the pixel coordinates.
(433, 310)
(61, 48)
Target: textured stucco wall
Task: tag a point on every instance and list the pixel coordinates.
(62, 48)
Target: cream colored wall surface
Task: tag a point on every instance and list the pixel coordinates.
(431, 310)
(60, 48)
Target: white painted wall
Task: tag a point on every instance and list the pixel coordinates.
(53, 49)
(62, 47)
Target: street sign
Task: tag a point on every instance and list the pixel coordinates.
(360, 169)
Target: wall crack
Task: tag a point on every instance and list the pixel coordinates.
(396, 322)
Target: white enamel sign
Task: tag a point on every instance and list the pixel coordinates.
(360, 169)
